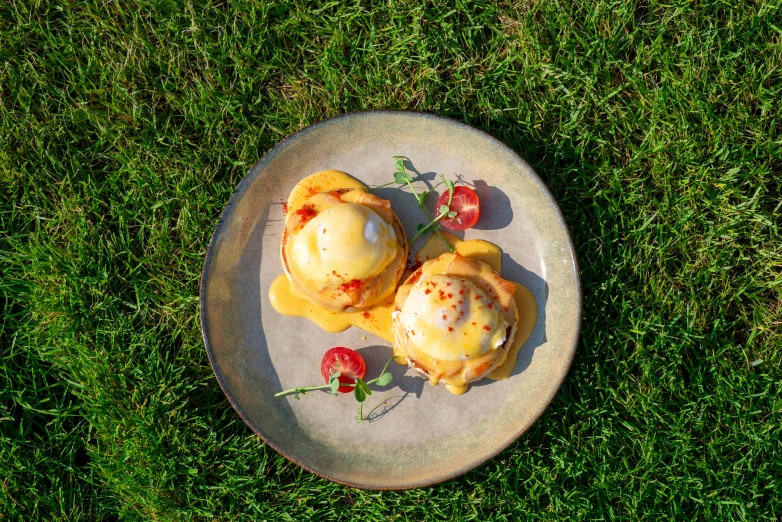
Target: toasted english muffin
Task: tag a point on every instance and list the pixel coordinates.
(343, 250)
(454, 320)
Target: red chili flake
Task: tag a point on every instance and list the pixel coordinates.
(461, 292)
(477, 297)
(342, 191)
(442, 295)
(491, 305)
(428, 291)
(412, 332)
(306, 213)
(459, 302)
(453, 306)
(447, 284)
(284, 206)
(461, 313)
(366, 315)
(450, 296)
(486, 327)
(506, 309)
(450, 329)
(414, 277)
(443, 317)
(313, 190)
(324, 230)
(473, 323)
(353, 284)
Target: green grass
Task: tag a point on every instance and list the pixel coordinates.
(124, 127)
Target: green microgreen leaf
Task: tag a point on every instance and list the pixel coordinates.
(402, 177)
(358, 392)
(385, 379)
(334, 382)
(444, 209)
(422, 199)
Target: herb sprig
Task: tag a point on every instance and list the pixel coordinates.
(402, 177)
(360, 388)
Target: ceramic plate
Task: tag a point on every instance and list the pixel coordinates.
(424, 434)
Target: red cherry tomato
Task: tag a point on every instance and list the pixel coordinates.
(466, 205)
(347, 362)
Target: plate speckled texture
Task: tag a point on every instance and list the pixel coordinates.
(424, 435)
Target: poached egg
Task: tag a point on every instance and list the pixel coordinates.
(452, 319)
(343, 249)
(346, 242)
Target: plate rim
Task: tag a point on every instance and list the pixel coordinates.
(253, 173)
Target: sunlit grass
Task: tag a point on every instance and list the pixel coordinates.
(124, 128)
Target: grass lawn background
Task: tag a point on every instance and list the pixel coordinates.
(124, 127)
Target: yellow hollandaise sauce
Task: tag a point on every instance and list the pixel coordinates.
(323, 181)
(377, 319)
(490, 254)
(526, 306)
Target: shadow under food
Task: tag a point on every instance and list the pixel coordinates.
(384, 407)
(496, 212)
(376, 357)
(513, 271)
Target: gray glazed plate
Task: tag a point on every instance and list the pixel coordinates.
(424, 435)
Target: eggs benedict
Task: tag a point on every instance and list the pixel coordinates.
(343, 249)
(454, 320)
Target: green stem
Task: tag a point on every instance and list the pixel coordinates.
(427, 228)
(450, 199)
(324, 386)
(303, 390)
(409, 184)
(432, 222)
(386, 366)
(437, 231)
(381, 186)
(428, 215)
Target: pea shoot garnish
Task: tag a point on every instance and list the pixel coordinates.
(343, 370)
